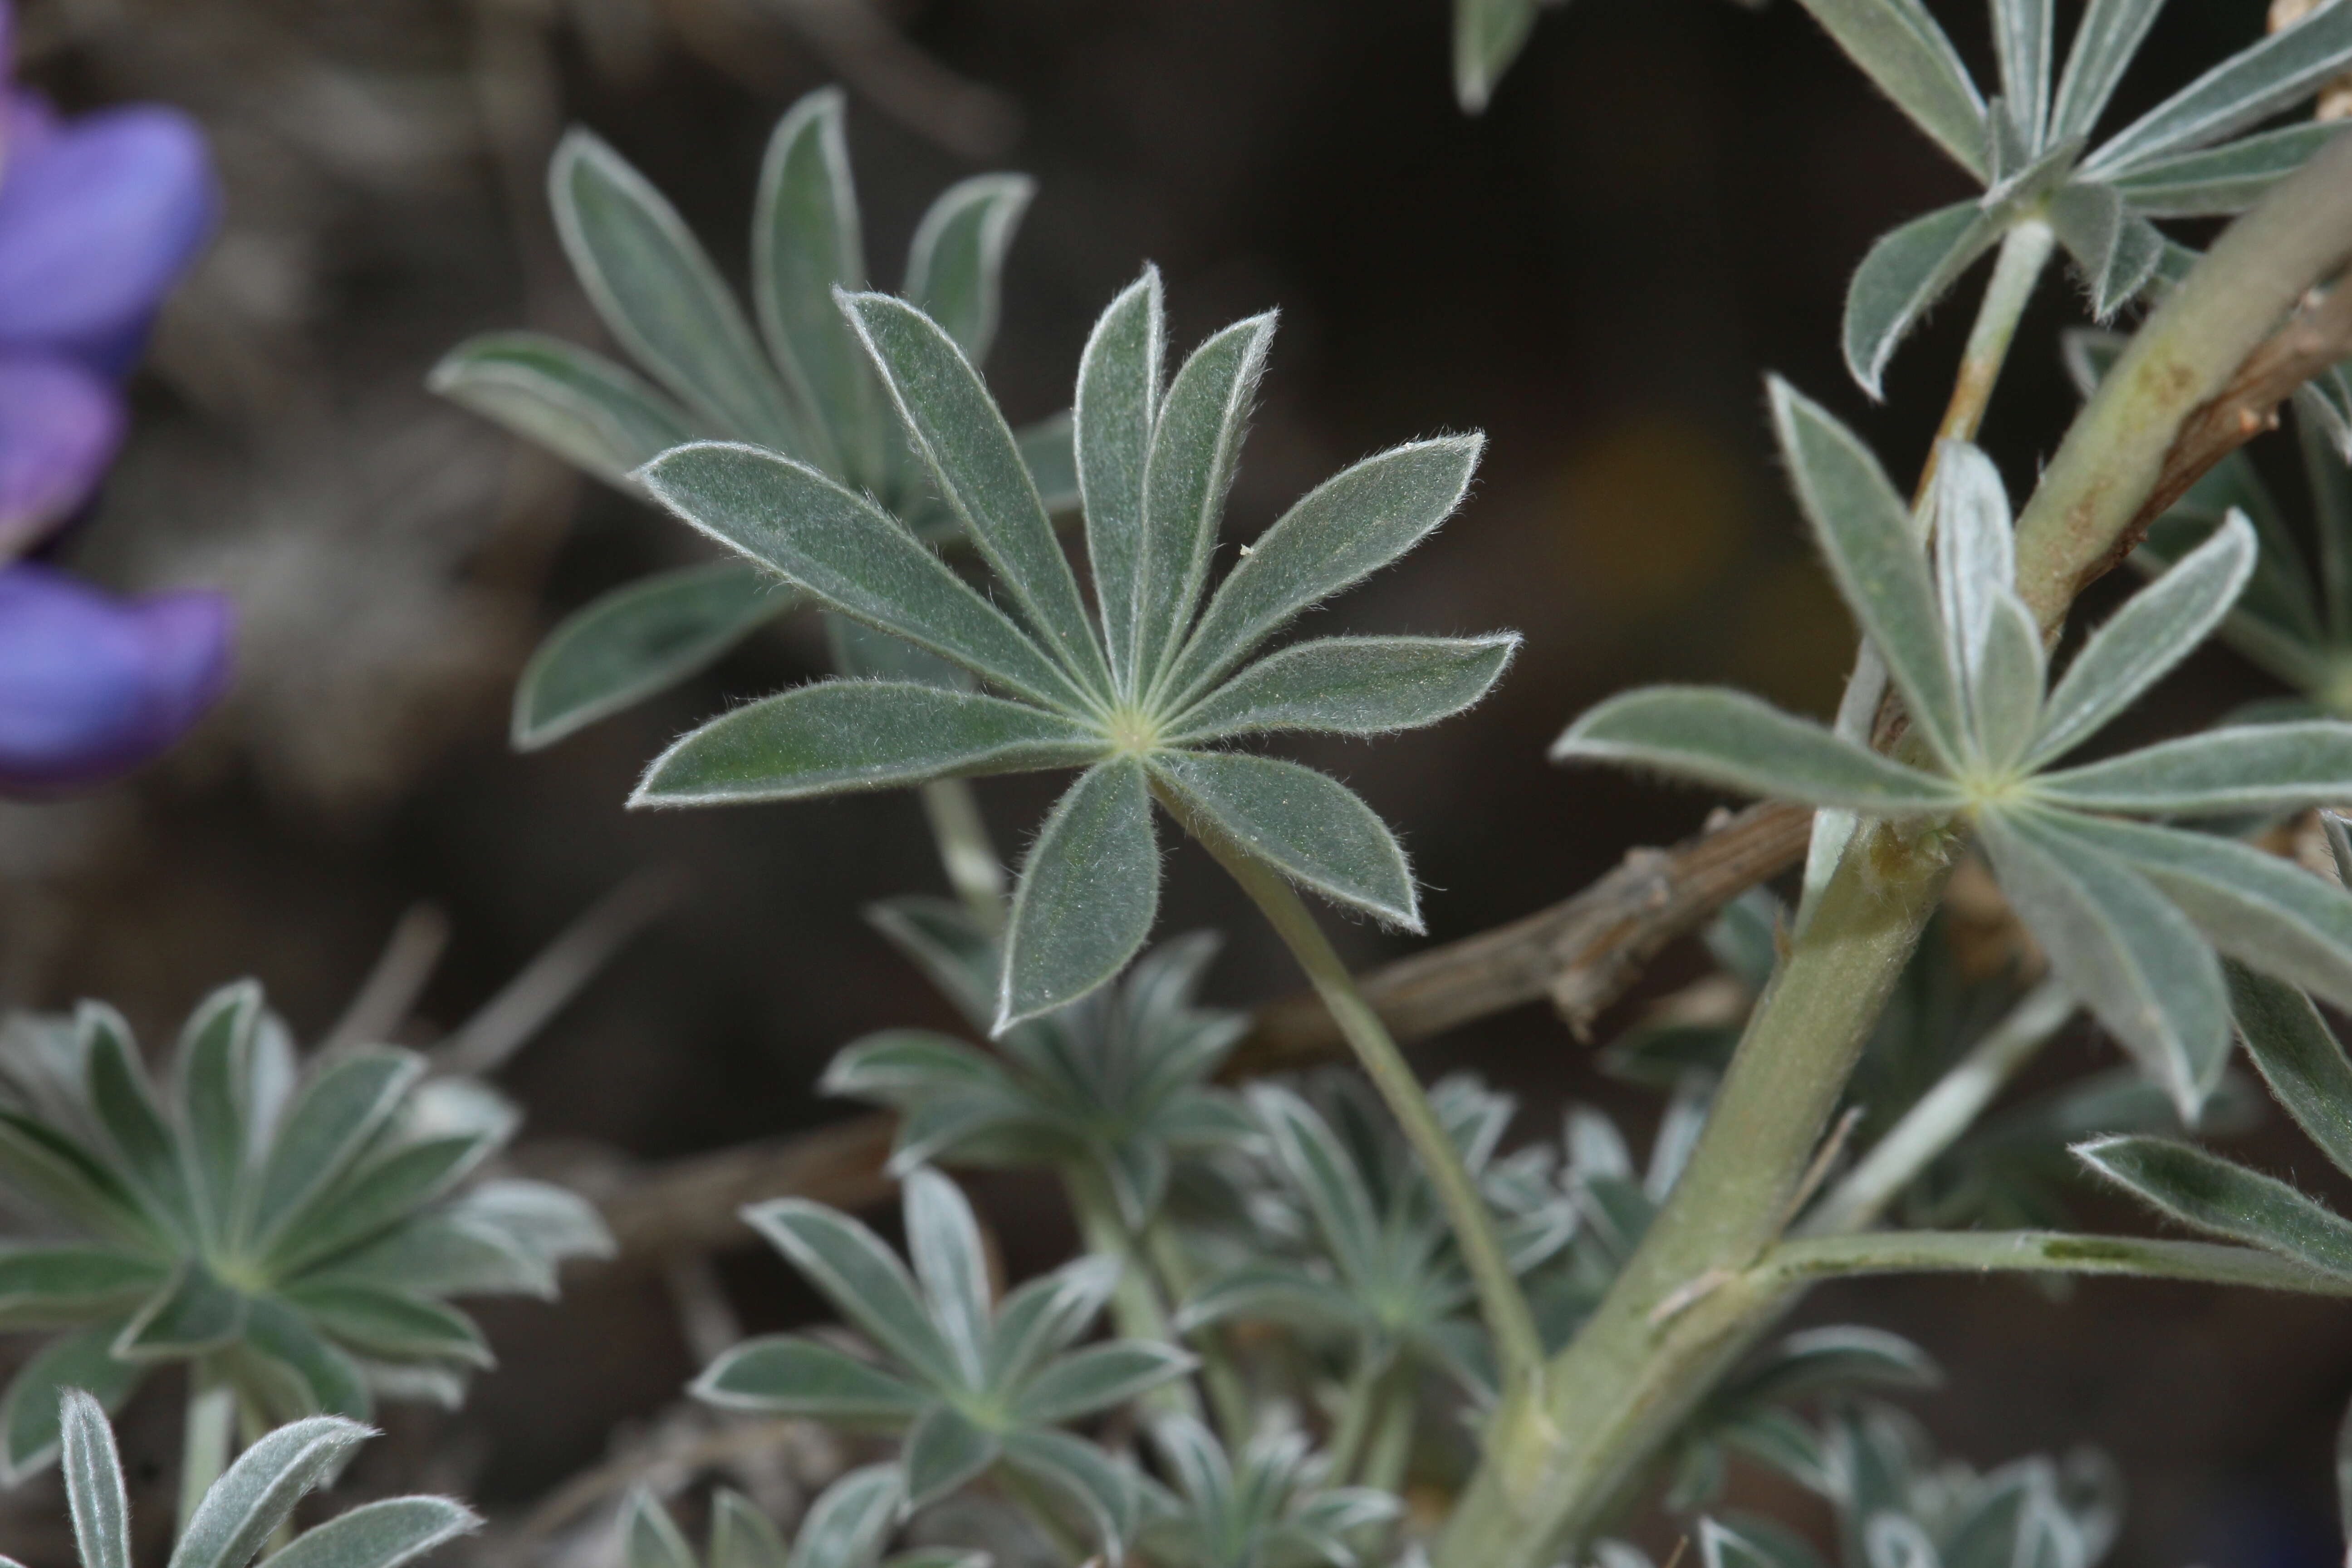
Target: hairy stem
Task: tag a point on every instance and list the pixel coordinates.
(1500, 1300)
(966, 850)
(1136, 1306)
(2077, 524)
(1813, 1257)
(1686, 1304)
(1944, 1112)
(211, 1422)
(2023, 255)
(1689, 1299)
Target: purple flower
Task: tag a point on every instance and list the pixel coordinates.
(98, 217)
(91, 685)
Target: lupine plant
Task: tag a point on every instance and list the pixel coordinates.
(249, 1509)
(287, 1231)
(1360, 1319)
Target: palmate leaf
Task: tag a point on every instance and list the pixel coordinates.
(1134, 699)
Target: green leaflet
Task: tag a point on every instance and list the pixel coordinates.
(2141, 643)
(806, 242)
(802, 1377)
(850, 553)
(380, 1534)
(1899, 47)
(2218, 181)
(943, 1240)
(661, 297)
(2249, 768)
(2299, 1056)
(593, 413)
(977, 465)
(640, 638)
(2248, 87)
(2117, 249)
(1315, 830)
(842, 735)
(861, 1276)
(53, 1285)
(2223, 1198)
(93, 1475)
(944, 1449)
(193, 1313)
(1340, 532)
(1352, 685)
(957, 260)
(247, 1505)
(1736, 741)
(2105, 39)
(29, 1411)
(1195, 443)
(2133, 957)
(1905, 272)
(1089, 891)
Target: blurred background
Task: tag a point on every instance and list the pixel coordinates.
(1665, 200)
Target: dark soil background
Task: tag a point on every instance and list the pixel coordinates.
(1664, 201)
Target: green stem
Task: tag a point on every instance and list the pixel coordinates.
(2024, 252)
(1500, 1300)
(966, 850)
(1944, 1112)
(1808, 1258)
(1136, 1306)
(205, 1449)
(1391, 1450)
(1357, 1408)
(1229, 1395)
(2113, 457)
(1685, 1303)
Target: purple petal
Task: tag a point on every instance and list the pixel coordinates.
(28, 122)
(59, 425)
(91, 686)
(95, 224)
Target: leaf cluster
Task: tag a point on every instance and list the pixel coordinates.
(2030, 146)
(1265, 1507)
(795, 382)
(847, 1526)
(1145, 689)
(1112, 1090)
(290, 1228)
(247, 1510)
(2135, 914)
(971, 1383)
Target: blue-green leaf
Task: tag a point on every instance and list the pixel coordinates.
(1307, 824)
(2221, 1197)
(659, 294)
(1046, 1316)
(851, 555)
(93, 1474)
(2022, 37)
(115, 1080)
(599, 416)
(2105, 39)
(56, 1284)
(383, 1535)
(860, 1277)
(943, 1240)
(340, 1108)
(2139, 644)
(2134, 959)
(1195, 443)
(28, 1411)
(1098, 1377)
(840, 735)
(1902, 278)
(380, 1322)
(806, 242)
(650, 1538)
(1088, 894)
(640, 638)
(193, 1313)
(1084, 1474)
(973, 456)
(2221, 182)
(1736, 741)
(246, 1506)
(1338, 533)
(2238, 768)
(2299, 1056)
(843, 1529)
(956, 263)
(786, 1376)
(2249, 86)
(211, 1072)
(1351, 686)
(1899, 47)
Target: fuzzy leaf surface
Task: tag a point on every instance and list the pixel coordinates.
(597, 415)
(2224, 1198)
(1088, 892)
(1351, 686)
(1306, 824)
(2239, 768)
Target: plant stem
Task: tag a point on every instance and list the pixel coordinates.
(966, 850)
(204, 1447)
(2037, 1251)
(1500, 1300)
(1357, 1404)
(1391, 1448)
(1944, 1112)
(2024, 252)
(1134, 1304)
(1685, 1303)
(1228, 1391)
